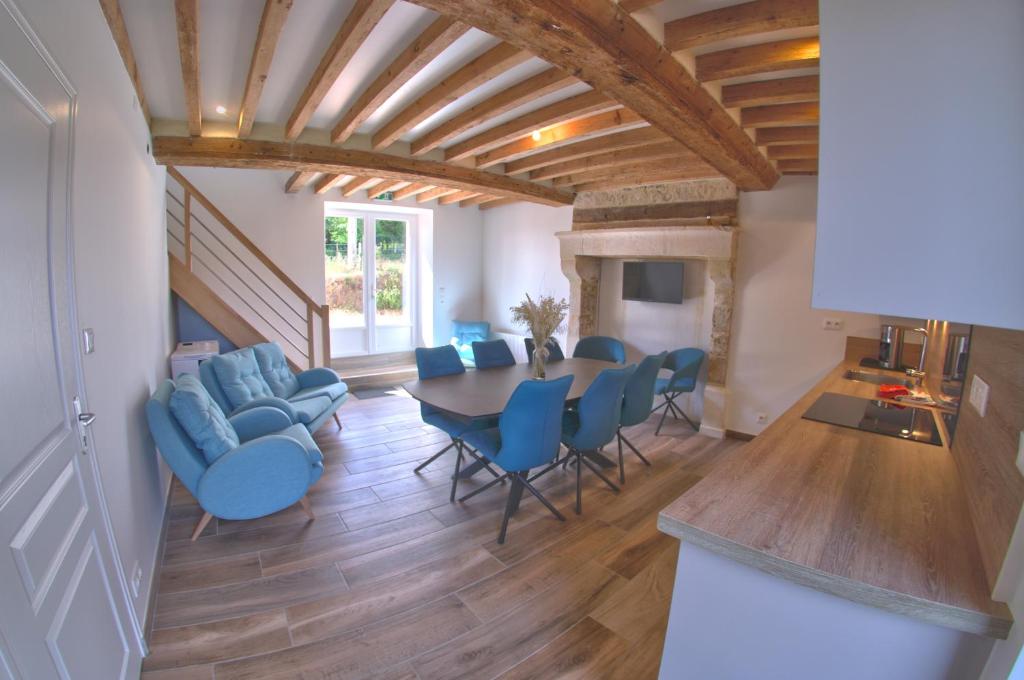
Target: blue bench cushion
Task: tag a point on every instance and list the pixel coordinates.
(239, 377)
(309, 410)
(274, 369)
(201, 418)
(332, 392)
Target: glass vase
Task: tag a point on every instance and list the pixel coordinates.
(539, 356)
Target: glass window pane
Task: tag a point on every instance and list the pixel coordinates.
(392, 272)
(343, 251)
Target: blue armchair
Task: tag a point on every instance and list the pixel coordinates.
(685, 366)
(464, 334)
(250, 465)
(637, 400)
(259, 376)
(600, 347)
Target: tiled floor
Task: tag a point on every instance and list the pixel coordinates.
(393, 581)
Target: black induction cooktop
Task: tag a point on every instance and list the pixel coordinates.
(872, 415)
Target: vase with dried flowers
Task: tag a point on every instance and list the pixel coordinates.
(544, 318)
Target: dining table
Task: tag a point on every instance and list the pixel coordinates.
(483, 393)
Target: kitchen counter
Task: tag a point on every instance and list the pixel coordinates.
(872, 519)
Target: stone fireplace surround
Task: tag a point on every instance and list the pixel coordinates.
(582, 251)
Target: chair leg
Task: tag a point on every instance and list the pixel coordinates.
(510, 505)
(579, 484)
(695, 427)
(593, 468)
(661, 422)
(483, 488)
(455, 477)
(337, 420)
(622, 467)
(434, 457)
(676, 412)
(549, 468)
(306, 507)
(483, 461)
(203, 521)
(638, 454)
(538, 496)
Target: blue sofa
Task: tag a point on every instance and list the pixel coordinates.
(249, 465)
(259, 376)
(464, 334)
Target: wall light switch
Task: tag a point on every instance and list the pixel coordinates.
(830, 324)
(88, 340)
(979, 395)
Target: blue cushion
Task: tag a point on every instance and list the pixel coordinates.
(239, 376)
(274, 369)
(201, 418)
(309, 410)
(332, 392)
(466, 332)
(682, 385)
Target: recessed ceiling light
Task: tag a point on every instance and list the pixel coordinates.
(536, 135)
(221, 110)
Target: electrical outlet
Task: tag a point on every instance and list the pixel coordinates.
(136, 579)
(1020, 453)
(761, 418)
(832, 324)
(979, 395)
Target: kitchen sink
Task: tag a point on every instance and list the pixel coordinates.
(878, 379)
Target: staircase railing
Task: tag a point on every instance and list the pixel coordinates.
(237, 271)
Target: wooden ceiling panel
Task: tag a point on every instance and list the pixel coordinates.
(584, 149)
(760, 16)
(356, 28)
(412, 190)
(456, 197)
(642, 179)
(787, 151)
(778, 91)
(487, 66)
(764, 58)
(638, 168)
(428, 45)
(780, 115)
(805, 134)
(186, 15)
(651, 152)
(436, 192)
(271, 23)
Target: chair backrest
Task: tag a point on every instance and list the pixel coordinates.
(208, 377)
(275, 369)
(600, 408)
(600, 347)
(492, 354)
(638, 397)
(531, 424)
(238, 378)
(685, 366)
(176, 447)
(468, 331)
(437, 362)
(554, 350)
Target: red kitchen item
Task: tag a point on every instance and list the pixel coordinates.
(892, 391)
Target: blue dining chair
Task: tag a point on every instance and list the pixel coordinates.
(592, 425)
(685, 366)
(600, 347)
(437, 362)
(527, 436)
(637, 400)
(554, 350)
(492, 354)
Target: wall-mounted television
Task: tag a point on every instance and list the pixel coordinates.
(653, 281)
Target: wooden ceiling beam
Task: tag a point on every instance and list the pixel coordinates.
(754, 59)
(798, 165)
(477, 200)
(778, 91)
(299, 179)
(610, 159)
(498, 203)
(412, 190)
(271, 23)
(436, 192)
(552, 114)
(600, 43)
(118, 30)
(760, 16)
(385, 187)
(524, 92)
(186, 16)
(488, 65)
(456, 197)
(423, 50)
(584, 149)
(665, 165)
(363, 17)
(356, 184)
(806, 134)
(780, 115)
(581, 128)
(328, 182)
(244, 153)
(788, 151)
(663, 214)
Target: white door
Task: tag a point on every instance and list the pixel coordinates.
(370, 274)
(60, 613)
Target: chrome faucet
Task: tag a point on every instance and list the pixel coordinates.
(919, 373)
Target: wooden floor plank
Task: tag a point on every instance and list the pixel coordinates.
(222, 572)
(581, 653)
(208, 642)
(628, 612)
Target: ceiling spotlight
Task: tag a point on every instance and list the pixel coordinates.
(221, 110)
(536, 135)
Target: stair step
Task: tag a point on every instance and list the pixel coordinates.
(377, 370)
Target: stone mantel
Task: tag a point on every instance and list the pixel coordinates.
(581, 255)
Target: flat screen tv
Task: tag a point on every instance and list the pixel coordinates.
(653, 281)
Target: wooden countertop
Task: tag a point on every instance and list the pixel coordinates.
(870, 518)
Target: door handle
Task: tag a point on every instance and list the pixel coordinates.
(86, 419)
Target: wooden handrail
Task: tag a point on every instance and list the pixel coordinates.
(242, 238)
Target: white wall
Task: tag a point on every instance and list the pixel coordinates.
(520, 255)
(922, 159)
(779, 349)
(120, 272)
(289, 228)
